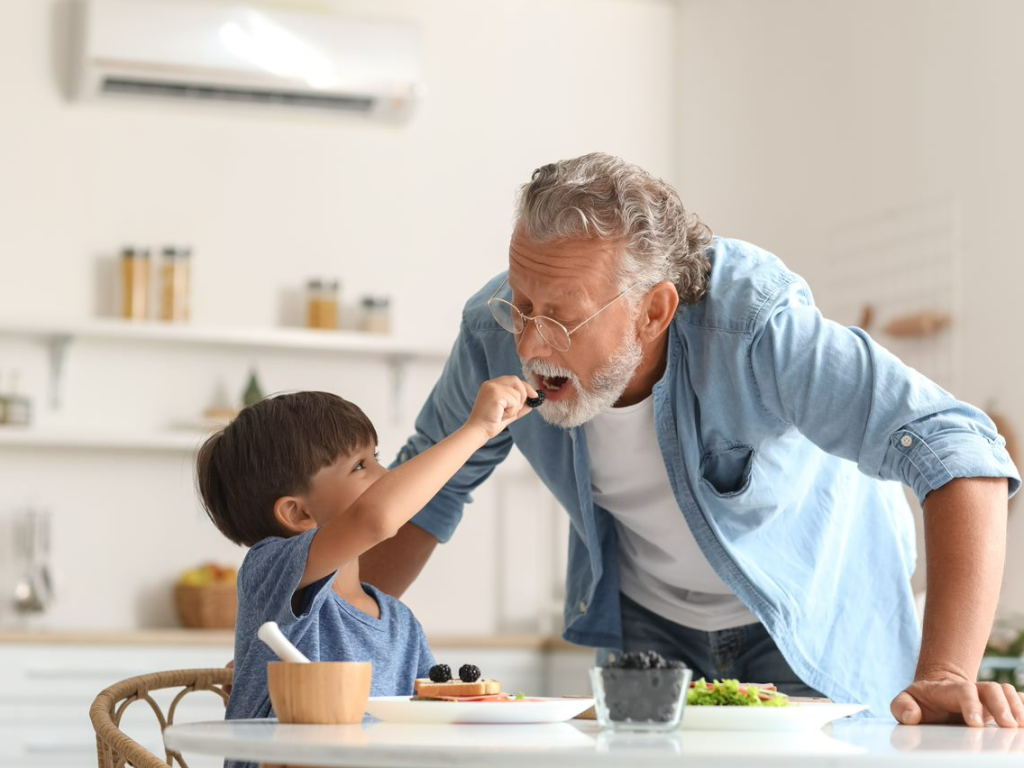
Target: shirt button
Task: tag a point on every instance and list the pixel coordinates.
(906, 441)
(583, 606)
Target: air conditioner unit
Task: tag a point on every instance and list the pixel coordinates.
(247, 53)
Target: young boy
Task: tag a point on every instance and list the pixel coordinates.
(296, 478)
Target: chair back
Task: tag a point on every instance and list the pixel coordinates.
(114, 747)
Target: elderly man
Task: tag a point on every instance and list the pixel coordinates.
(722, 451)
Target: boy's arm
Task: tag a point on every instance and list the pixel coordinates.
(389, 503)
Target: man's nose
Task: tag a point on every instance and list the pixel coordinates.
(530, 343)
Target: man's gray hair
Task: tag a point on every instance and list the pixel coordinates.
(602, 196)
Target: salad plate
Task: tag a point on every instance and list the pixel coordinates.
(797, 716)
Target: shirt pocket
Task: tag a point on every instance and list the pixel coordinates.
(727, 470)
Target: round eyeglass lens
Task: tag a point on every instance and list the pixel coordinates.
(507, 316)
(553, 333)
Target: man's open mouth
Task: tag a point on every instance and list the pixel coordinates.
(552, 383)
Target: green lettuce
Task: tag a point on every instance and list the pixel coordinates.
(729, 693)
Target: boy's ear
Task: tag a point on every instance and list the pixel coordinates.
(292, 515)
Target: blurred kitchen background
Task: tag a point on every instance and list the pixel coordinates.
(874, 146)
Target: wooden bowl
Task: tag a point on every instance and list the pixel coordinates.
(321, 692)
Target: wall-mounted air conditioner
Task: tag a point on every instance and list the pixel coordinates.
(248, 53)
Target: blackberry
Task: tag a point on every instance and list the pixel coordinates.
(641, 660)
(533, 402)
(440, 673)
(469, 673)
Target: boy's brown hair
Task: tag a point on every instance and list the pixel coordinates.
(273, 449)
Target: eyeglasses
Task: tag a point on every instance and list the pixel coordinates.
(554, 334)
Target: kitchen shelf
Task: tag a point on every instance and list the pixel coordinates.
(296, 339)
(171, 441)
(59, 335)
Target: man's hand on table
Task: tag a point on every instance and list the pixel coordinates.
(954, 700)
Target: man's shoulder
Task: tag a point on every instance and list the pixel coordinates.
(476, 314)
(745, 281)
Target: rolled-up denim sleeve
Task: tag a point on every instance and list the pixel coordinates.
(855, 399)
(445, 410)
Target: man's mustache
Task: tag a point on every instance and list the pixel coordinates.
(540, 368)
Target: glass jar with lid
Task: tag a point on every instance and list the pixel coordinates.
(174, 275)
(134, 283)
(322, 297)
(376, 314)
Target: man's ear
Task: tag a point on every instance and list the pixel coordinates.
(292, 515)
(659, 308)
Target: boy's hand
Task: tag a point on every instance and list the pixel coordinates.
(500, 402)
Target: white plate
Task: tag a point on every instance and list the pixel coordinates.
(400, 709)
(796, 717)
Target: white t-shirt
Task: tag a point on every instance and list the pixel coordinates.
(661, 567)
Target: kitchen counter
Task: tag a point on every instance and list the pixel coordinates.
(871, 743)
(205, 637)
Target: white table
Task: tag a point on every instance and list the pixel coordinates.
(582, 744)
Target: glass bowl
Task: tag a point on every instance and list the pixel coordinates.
(639, 699)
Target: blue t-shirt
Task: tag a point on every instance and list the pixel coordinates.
(320, 624)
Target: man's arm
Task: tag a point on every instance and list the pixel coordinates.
(965, 545)
(393, 565)
(856, 400)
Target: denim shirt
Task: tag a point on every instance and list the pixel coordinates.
(786, 438)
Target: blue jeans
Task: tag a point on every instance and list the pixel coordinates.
(745, 653)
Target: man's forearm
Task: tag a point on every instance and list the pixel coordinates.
(965, 547)
(393, 565)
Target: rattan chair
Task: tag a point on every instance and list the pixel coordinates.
(114, 747)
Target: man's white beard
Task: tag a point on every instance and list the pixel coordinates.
(607, 387)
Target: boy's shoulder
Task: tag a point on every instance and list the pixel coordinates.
(275, 558)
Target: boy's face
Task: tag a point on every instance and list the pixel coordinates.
(334, 488)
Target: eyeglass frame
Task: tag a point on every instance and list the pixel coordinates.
(526, 318)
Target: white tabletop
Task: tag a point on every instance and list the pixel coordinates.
(857, 742)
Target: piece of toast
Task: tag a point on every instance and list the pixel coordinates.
(427, 689)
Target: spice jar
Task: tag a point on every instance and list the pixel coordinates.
(174, 284)
(134, 283)
(322, 304)
(376, 316)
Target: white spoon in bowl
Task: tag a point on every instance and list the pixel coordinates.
(272, 635)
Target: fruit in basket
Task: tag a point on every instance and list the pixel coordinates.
(206, 597)
(208, 574)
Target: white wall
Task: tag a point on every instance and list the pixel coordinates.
(799, 116)
(421, 212)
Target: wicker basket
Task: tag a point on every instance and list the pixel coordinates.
(212, 606)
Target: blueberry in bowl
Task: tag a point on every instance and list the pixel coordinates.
(640, 691)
